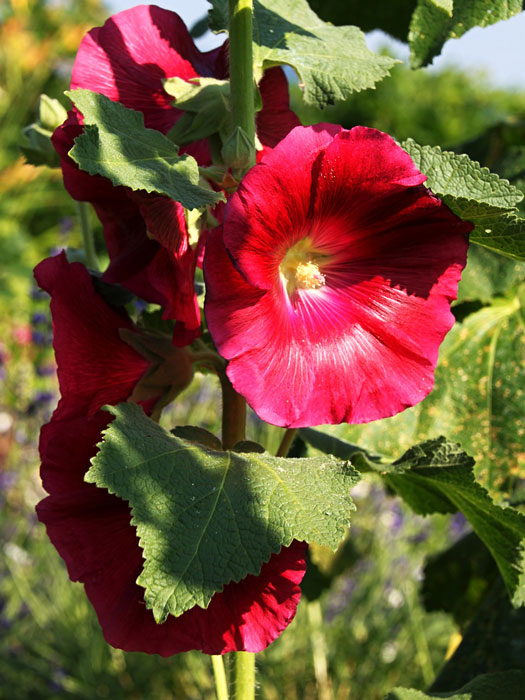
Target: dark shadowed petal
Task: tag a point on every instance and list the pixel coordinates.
(91, 528)
(92, 532)
(83, 324)
(276, 119)
(129, 56)
(159, 271)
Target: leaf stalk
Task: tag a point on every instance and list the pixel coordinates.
(88, 239)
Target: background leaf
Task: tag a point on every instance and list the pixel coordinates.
(205, 518)
(436, 476)
(436, 21)
(508, 685)
(331, 62)
(475, 194)
(457, 580)
(487, 275)
(494, 641)
(117, 145)
(392, 17)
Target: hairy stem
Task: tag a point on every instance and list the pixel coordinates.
(286, 442)
(219, 674)
(244, 675)
(242, 87)
(233, 414)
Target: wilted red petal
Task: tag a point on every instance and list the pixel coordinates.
(356, 336)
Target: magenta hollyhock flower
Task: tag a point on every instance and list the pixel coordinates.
(329, 288)
(127, 59)
(91, 528)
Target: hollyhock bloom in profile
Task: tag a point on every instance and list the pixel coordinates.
(146, 235)
(330, 285)
(91, 528)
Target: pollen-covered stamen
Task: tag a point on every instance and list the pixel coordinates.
(309, 276)
(300, 267)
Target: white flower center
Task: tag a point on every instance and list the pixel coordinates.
(300, 267)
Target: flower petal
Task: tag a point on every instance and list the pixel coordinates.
(91, 529)
(363, 343)
(257, 233)
(83, 324)
(276, 119)
(128, 58)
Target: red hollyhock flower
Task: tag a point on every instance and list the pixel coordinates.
(329, 290)
(126, 60)
(91, 528)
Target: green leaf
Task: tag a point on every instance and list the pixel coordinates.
(331, 62)
(116, 145)
(392, 17)
(477, 398)
(475, 194)
(436, 21)
(494, 641)
(458, 176)
(487, 275)
(204, 517)
(39, 150)
(457, 580)
(444, 487)
(206, 103)
(436, 476)
(507, 685)
(329, 444)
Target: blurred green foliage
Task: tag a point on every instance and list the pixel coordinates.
(444, 108)
(38, 42)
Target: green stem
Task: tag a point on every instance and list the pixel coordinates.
(219, 674)
(244, 675)
(420, 639)
(241, 67)
(318, 642)
(286, 442)
(234, 406)
(87, 235)
(233, 414)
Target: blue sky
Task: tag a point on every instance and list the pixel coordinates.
(498, 50)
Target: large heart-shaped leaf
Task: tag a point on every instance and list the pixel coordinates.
(206, 517)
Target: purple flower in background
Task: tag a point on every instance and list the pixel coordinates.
(42, 339)
(39, 317)
(458, 525)
(140, 305)
(38, 294)
(66, 225)
(45, 370)
(42, 397)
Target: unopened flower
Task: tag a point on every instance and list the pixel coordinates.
(91, 528)
(329, 287)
